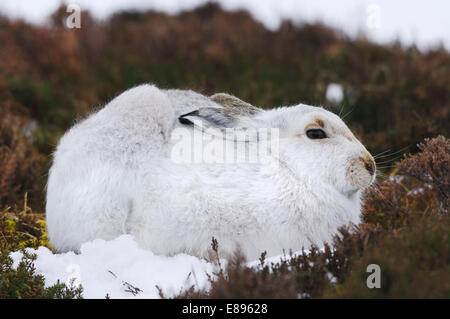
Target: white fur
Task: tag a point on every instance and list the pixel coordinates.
(112, 174)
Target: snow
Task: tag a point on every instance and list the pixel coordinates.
(118, 266)
(335, 93)
(121, 269)
(274, 259)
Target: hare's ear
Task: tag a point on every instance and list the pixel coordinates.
(231, 101)
(216, 117)
(234, 111)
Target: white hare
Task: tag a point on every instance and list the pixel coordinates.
(114, 173)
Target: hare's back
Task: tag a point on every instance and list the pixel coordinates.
(92, 180)
(138, 120)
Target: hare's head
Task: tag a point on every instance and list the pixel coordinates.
(313, 143)
(316, 143)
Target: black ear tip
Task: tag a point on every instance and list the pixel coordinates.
(184, 120)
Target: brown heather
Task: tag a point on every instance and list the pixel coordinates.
(21, 165)
(432, 167)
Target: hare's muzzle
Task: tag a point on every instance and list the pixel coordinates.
(369, 163)
(361, 172)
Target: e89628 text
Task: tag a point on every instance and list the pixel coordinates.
(246, 308)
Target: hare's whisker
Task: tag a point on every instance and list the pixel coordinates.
(377, 155)
(394, 153)
(342, 108)
(389, 161)
(348, 113)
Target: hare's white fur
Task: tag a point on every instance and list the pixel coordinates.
(112, 174)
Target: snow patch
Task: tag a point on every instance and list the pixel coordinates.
(335, 93)
(121, 269)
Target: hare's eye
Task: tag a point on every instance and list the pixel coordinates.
(316, 133)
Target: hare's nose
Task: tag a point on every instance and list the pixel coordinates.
(369, 164)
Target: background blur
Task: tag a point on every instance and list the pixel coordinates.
(383, 65)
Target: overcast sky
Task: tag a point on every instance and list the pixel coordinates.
(426, 23)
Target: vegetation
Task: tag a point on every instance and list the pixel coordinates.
(22, 282)
(19, 229)
(394, 97)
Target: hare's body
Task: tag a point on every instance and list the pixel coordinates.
(113, 174)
